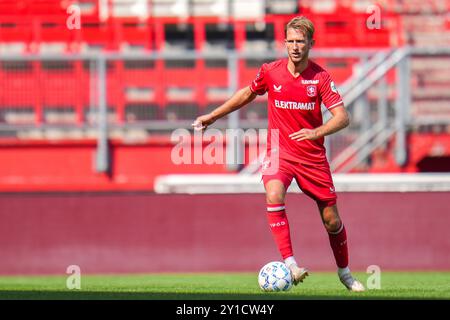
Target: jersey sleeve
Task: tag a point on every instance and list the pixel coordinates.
(328, 93)
(259, 84)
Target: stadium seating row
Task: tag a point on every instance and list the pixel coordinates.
(236, 8)
(51, 34)
(49, 25)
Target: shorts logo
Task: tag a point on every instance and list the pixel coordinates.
(265, 165)
(277, 89)
(332, 190)
(311, 91)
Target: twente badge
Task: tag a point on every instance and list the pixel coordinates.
(311, 91)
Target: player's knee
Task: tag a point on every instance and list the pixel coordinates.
(332, 224)
(274, 197)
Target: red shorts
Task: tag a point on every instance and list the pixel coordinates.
(314, 180)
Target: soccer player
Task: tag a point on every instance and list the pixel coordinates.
(296, 87)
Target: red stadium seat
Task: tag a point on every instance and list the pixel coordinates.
(133, 32)
(15, 31)
(47, 7)
(13, 7)
(96, 34)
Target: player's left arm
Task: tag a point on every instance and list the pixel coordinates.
(339, 121)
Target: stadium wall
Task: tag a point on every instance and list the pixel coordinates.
(143, 232)
(69, 165)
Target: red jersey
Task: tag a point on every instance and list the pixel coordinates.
(294, 104)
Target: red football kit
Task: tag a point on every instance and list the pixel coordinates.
(293, 104)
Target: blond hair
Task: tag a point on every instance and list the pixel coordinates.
(303, 24)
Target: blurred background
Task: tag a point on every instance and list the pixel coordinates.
(91, 91)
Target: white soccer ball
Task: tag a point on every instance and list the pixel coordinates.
(275, 276)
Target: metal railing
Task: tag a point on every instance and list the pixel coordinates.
(375, 134)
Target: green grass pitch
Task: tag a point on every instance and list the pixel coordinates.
(221, 286)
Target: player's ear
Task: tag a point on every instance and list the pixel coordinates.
(311, 43)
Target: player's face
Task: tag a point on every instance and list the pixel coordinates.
(297, 45)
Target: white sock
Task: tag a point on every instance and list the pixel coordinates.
(290, 260)
(342, 271)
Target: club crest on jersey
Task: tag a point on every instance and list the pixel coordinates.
(277, 89)
(311, 91)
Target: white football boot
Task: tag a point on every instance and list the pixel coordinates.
(351, 283)
(298, 274)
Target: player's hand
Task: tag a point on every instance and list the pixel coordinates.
(304, 134)
(202, 122)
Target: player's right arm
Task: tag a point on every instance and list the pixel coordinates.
(237, 101)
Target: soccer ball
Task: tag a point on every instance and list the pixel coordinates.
(275, 276)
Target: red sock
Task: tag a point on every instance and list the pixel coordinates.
(279, 226)
(338, 242)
